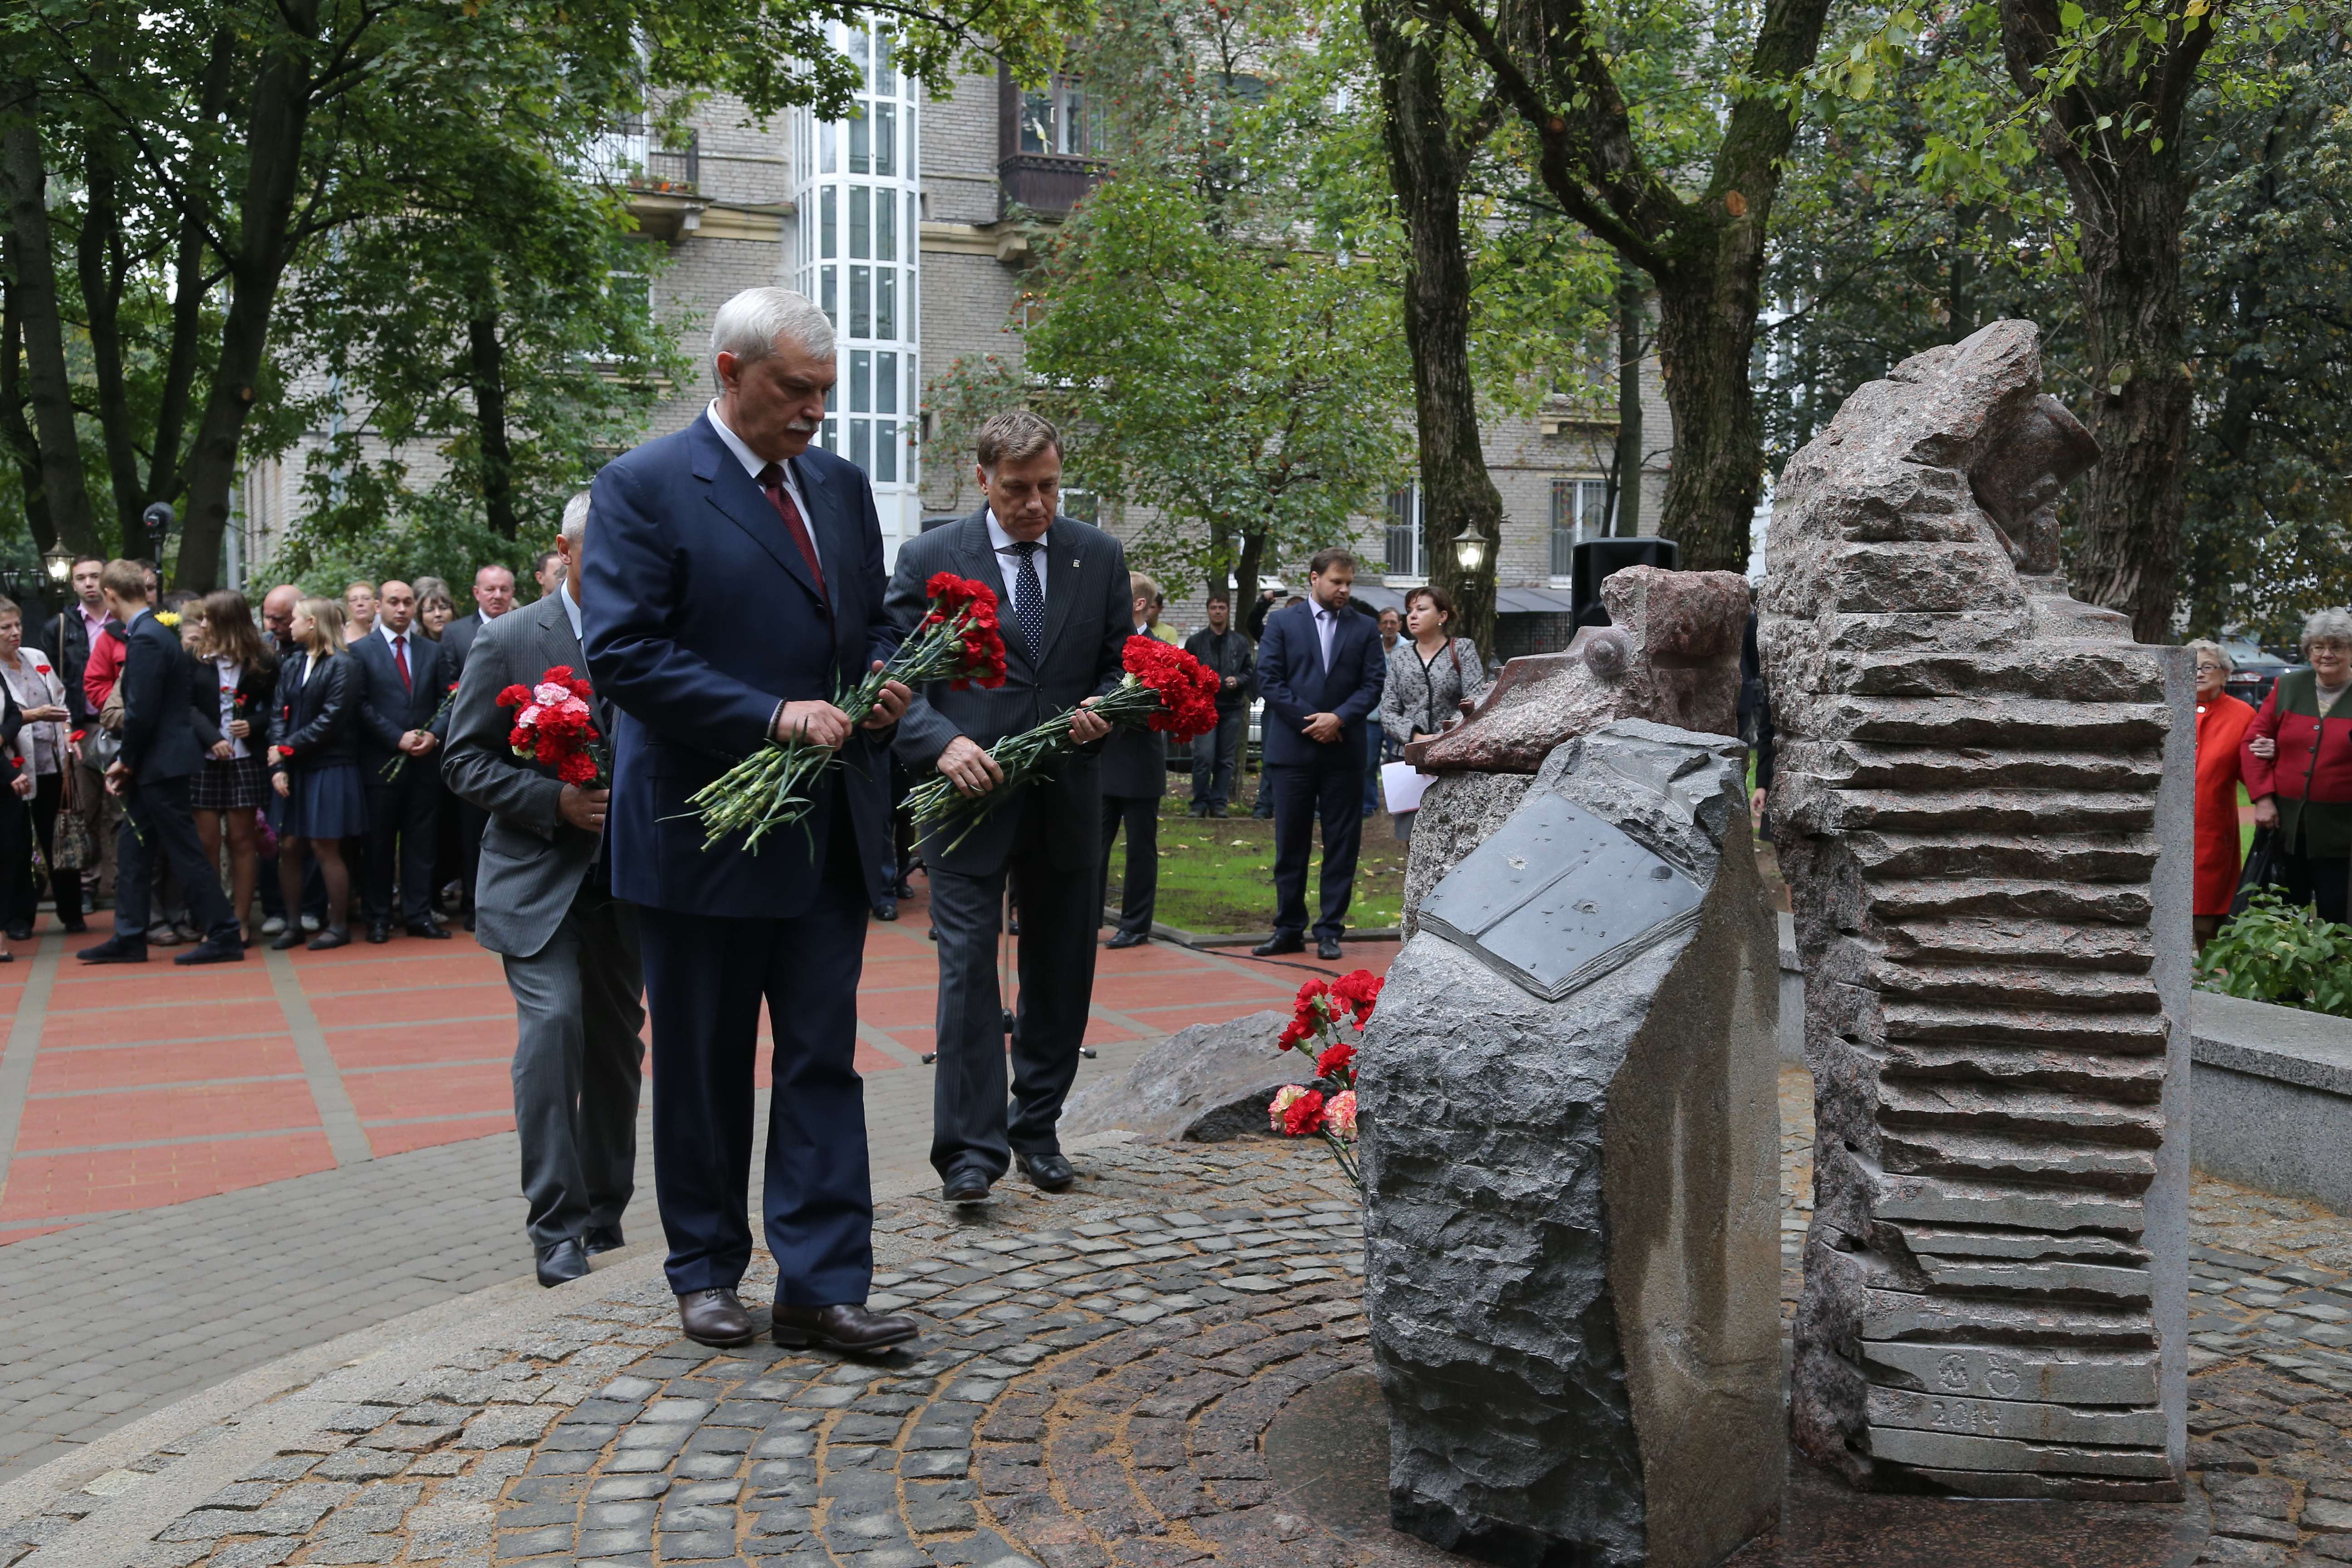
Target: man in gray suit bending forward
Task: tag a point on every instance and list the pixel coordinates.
(545, 903)
(1062, 588)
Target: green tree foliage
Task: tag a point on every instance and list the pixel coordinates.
(164, 170)
(1897, 235)
(1249, 392)
(2279, 953)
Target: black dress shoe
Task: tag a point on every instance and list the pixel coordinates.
(469, 920)
(333, 936)
(714, 1317)
(968, 1185)
(1049, 1172)
(561, 1261)
(20, 933)
(76, 926)
(886, 908)
(599, 1238)
(1327, 947)
(289, 938)
(115, 950)
(846, 1327)
(221, 949)
(1128, 939)
(904, 891)
(429, 930)
(379, 932)
(1279, 942)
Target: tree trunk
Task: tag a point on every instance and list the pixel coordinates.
(1246, 573)
(24, 189)
(1705, 252)
(98, 256)
(279, 116)
(486, 369)
(2130, 194)
(2130, 216)
(1428, 156)
(13, 428)
(166, 463)
(1625, 521)
(1707, 316)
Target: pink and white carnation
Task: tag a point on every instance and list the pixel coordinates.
(1339, 1114)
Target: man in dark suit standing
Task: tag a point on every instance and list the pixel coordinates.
(400, 721)
(1321, 670)
(1216, 756)
(736, 584)
(494, 596)
(1134, 778)
(569, 946)
(159, 754)
(1066, 614)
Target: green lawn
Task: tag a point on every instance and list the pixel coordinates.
(1217, 876)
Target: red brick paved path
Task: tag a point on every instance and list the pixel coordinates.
(154, 1085)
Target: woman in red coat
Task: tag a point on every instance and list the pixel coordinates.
(2221, 721)
(2298, 764)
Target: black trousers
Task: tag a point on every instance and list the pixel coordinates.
(157, 830)
(1333, 791)
(706, 976)
(1140, 888)
(1214, 757)
(1060, 911)
(2320, 880)
(472, 822)
(400, 825)
(17, 894)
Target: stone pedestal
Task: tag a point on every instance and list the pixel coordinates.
(1569, 1144)
(1980, 810)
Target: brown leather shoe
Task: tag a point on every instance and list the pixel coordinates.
(715, 1317)
(848, 1327)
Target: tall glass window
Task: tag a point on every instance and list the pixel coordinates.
(1404, 533)
(1579, 510)
(857, 244)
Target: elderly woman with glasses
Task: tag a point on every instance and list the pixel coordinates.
(2299, 767)
(2221, 721)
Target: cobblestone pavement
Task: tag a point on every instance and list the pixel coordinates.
(145, 1090)
(1095, 1375)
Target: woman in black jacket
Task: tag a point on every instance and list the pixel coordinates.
(315, 765)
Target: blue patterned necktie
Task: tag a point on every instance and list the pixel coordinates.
(1028, 599)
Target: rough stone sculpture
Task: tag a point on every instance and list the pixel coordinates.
(1206, 1083)
(1671, 655)
(1976, 777)
(1570, 1153)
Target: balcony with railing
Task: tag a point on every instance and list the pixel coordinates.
(1046, 137)
(663, 182)
(1046, 183)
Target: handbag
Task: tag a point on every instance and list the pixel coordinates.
(73, 849)
(2262, 870)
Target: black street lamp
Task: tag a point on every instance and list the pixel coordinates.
(57, 560)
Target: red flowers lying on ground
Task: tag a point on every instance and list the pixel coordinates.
(1325, 1023)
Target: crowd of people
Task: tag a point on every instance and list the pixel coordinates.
(218, 779)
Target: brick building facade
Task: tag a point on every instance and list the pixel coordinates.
(740, 204)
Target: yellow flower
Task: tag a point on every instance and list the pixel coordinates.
(167, 618)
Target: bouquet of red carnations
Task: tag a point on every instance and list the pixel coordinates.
(1165, 688)
(392, 769)
(1327, 1109)
(956, 641)
(555, 728)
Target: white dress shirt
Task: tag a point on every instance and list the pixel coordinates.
(1009, 564)
(571, 612)
(414, 639)
(752, 463)
(1326, 625)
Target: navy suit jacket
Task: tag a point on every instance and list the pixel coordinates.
(388, 710)
(159, 741)
(1291, 676)
(700, 617)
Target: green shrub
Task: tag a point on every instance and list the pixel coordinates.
(2281, 953)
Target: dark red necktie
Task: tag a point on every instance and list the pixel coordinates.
(400, 657)
(772, 479)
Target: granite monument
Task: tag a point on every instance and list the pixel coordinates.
(1981, 811)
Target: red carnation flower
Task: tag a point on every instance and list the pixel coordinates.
(514, 697)
(1303, 1115)
(1335, 1059)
